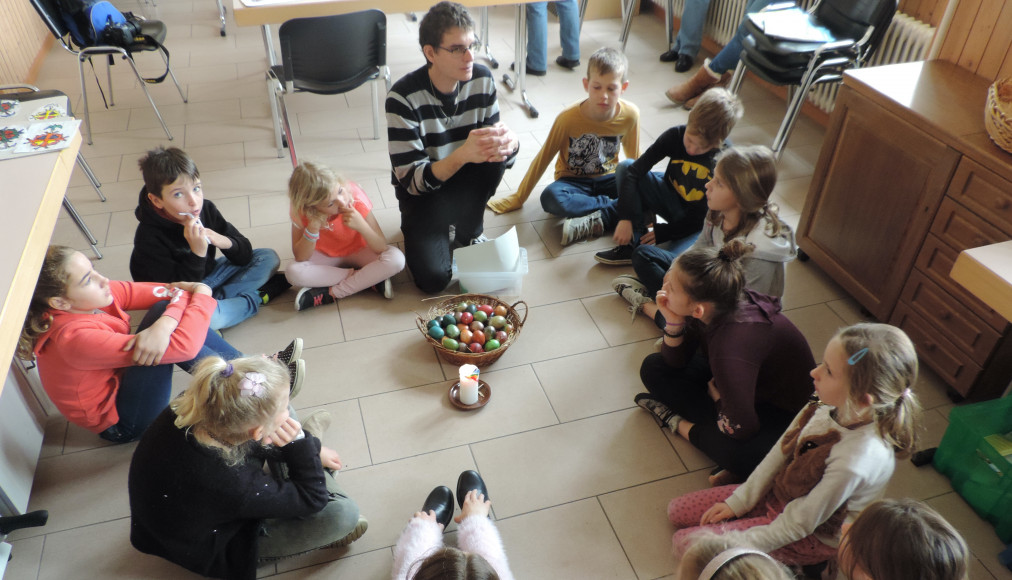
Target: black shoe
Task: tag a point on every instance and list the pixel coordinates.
(290, 352)
(684, 63)
(440, 500)
(617, 256)
(273, 287)
(531, 71)
(311, 297)
(670, 56)
(566, 63)
(467, 481)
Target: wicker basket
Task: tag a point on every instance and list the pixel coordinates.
(998, 113)
(479, 359)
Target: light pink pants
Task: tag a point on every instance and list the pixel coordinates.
(346, 275)
(686, 511)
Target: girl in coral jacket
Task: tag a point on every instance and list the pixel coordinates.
(100, 375)
(834, 460)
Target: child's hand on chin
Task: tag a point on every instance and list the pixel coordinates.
(284, 434)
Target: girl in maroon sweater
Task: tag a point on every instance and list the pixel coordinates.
(733, 371)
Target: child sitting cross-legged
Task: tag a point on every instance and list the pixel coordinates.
(586, 138)
(339, 246)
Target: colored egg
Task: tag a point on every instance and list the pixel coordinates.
(449, 343)
(478, 336)
(471, 308)
(501, 336)
(465, 336)
(475, 347)
(499, 310)
(492, 344)
(462, 348)
(466, 317)
(486, 308)
(436, 332)
(508, 328)
(456, 316)
(481, 316)
(433, 322)
(461, 306)
(452, 331)
(476, 325)
(448, 319)
(497, 321)
(461, 326)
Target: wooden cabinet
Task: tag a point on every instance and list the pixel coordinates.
(904, 182)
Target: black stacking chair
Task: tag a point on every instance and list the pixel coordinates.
(49, 10)
(850, 31)
(27, 93)
(328, 55)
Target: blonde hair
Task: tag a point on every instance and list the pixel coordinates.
(714, 275)
(606, 61)
(450, 563)
(216, 402)
(707, 545)
(52, 283)
(931, 549)
(714, 115)
(311, 185)
(751, 174)
(882, 364)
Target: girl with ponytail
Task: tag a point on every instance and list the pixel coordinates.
(733, 370)
(834, 460)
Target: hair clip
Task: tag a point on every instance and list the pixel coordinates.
(857, 356)
(252, 385)
(228, 370)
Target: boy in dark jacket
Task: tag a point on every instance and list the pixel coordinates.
(180, 233)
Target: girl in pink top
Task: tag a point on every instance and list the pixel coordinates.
(339, 247)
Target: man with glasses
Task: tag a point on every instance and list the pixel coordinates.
(447, 146)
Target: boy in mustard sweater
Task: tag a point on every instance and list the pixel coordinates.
(586, 136)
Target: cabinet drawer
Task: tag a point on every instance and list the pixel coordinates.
(951, 319)
(935, 261)
(942, 356)
(962, 229)
(984, 192)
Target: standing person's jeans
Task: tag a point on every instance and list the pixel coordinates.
(537, 32)
(690, 31)
(578, 196)
(426, 221)
(235, 287)
(144, 391)
(727, 59)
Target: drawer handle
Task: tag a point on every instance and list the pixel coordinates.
(1002, 204)
(929, 346)
(945, 315)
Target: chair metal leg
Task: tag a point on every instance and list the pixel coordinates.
(669, 11)
(739, 76)
(627, 16)
(484, 38)
(386, 77)
(583, 10)
(82, 226)
(147, 93)
(376, 107)
(797, 99)
(272, 98)
(173, 75)
(287, 127)
(221, 16)
(84, 94)
(108, 75)
(91, 176)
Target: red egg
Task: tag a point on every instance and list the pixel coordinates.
(475, 347)
(487, 309)
(508, 328)
(466, 317)
(478, 336)
(499, 335)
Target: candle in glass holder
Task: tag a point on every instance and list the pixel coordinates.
(468, 393)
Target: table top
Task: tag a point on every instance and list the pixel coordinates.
(278, 11)
(27, 221)
(986, 272)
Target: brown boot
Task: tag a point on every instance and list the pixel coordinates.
(725, 80)
(702, 80)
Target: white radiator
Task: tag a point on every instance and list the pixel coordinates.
(908, 39)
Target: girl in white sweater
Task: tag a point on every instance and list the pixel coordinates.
(835, 458)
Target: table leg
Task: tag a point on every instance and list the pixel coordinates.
(272, 60)
(583, 11)
(484, 38)
(520, 38)
(627, 16)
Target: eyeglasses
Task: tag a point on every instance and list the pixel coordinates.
(459, 50)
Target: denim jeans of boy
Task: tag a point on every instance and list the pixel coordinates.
(235, 287)
(579, 196)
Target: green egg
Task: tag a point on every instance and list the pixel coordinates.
(434, 322)
(497, 321)
(480, 316)
(491, 344)
(448, 319)
(461, 306)
(471, 308)
(450, 344)
(436, 332)
(453, 331)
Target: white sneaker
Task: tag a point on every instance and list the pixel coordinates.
(582, 228)
(634, 292)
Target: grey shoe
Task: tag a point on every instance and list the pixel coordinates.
(317, 423)
(358, 532)
(634, 292)
(660, 412)
(481, 239)
(582, 228)
(385, 289)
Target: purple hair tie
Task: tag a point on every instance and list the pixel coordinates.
(228, 370)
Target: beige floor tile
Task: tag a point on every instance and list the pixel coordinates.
(26, 558)
(415, 421)
(639, 516)
(693, 458)
(175, 112)
(520, 465)
(375, 565)
(818, 323)
(806, 284)
(278, 323)
(618, 325)
(346, 434)
(567, 541)
(849, 310)
(977, 532)
(368, 314)
(268, 209)
(596, 382)
(567, 277)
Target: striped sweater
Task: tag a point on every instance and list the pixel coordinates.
(422, 127)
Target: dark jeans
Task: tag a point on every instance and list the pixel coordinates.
(426, 221)
(144, 390)
(651, 263)
(654, 195)
(684, 391)
(579, 196)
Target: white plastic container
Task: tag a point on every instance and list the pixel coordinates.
(507, 283)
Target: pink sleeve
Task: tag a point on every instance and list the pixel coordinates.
(419, 538)
(477, 534)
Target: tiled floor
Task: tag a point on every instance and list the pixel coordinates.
(580, 477)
